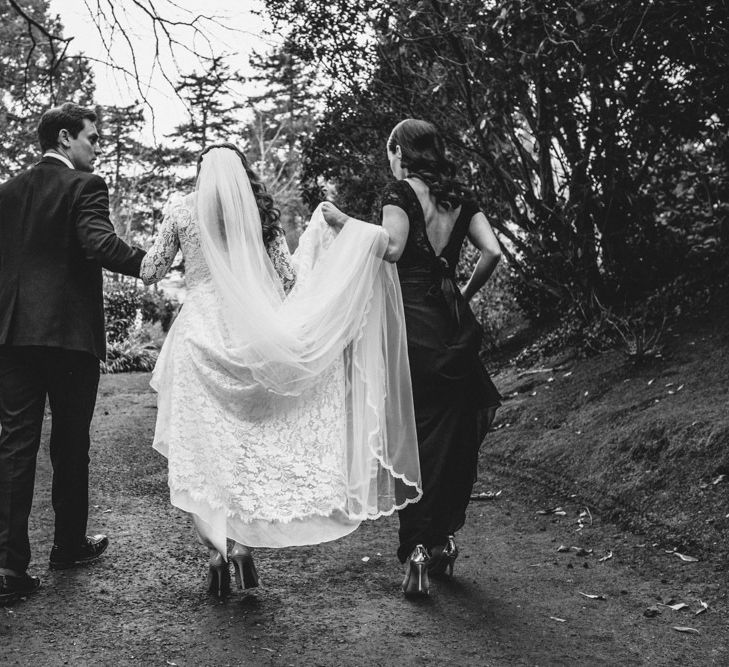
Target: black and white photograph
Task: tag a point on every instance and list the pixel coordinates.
(364, 333)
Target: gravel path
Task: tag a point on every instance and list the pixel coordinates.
(516, 599)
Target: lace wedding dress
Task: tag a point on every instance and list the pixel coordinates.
(261, 451)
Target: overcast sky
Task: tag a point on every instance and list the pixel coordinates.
(243, 34)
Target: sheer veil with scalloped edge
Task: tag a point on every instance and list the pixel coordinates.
(260, 355)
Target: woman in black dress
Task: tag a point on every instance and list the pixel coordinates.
(428, 215)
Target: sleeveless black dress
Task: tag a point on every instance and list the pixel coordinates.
(451, 388)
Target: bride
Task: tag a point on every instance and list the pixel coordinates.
(284, 400)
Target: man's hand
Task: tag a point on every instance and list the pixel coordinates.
(333, 216)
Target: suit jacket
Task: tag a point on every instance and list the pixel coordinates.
(55, 237)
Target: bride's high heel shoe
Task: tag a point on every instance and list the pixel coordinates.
(246, 575)
(442, 564)
(416, 582)
(218, 576)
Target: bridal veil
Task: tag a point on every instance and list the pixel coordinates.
(344, 312)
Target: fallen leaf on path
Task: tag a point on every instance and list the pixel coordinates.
(365, 559)
(681, 628)
(685, 558)
(607, 556)
(567, 374)
(559, 620)
(107, 511)
(704, 607)
(720, 478)
(562, 548)
(650, 382)
(554, 510)
(651, 612)
(582, 519)
(486, 495)
(592, 597)
(676, 607)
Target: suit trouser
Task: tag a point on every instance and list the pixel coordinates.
(70, 380)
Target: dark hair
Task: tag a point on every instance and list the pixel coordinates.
(68, 116)
(270, 215)
(423, 155)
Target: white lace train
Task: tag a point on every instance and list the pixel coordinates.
(272, 469)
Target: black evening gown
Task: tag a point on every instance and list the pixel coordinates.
(451, 388)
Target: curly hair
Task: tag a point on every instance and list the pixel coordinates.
(270, 215)
(424, 156)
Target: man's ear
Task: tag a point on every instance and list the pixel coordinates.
(64, 138)
(398, 152)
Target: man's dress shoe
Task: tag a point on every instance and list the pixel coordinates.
(12, 587)
(91, 548)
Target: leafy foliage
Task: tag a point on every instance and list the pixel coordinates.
(283, 118)
(128, 355)
(121, 302)
(207, 95)
(127, 306)
(155, 307)
(595, 132)
(29, 85)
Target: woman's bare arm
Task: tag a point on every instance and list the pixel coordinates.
(394, 221)
(482, 236)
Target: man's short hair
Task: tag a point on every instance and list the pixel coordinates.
(68, 116)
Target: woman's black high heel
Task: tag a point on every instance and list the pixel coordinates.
(441, 565)
(246, 575)
(218, 576)
(416, 582)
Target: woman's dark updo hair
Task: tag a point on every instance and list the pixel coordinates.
(423, 155)
(270, 215)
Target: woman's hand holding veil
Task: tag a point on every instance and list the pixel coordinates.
(333, 216)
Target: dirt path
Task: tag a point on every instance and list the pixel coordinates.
(144, 602)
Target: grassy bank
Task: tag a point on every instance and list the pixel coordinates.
(646, 446)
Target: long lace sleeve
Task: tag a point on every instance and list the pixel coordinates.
(281, 259)
(159, 258)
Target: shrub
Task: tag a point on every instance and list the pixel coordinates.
(156, 307)
(495, 305)
(123, 301)
(131, 354)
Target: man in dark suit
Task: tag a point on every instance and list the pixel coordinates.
(55, 237)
